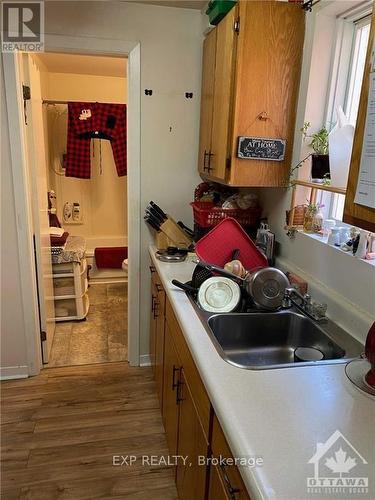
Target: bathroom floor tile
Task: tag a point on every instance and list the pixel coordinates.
(102, 337)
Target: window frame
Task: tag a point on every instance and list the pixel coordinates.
(343, 60)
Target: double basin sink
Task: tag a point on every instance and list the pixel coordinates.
(286, 338)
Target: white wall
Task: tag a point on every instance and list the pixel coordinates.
(13, 345)
(347, 284)
(103, 198)
(171, 49)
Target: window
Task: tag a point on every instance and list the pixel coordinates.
(352, 40)
(361, 37)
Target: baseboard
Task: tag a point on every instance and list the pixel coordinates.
(144, 360)
(13, 372)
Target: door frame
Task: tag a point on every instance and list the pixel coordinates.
(22, 195)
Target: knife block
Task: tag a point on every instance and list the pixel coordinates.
(175, 234)
(162, 242)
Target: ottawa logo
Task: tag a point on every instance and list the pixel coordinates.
(338, 468)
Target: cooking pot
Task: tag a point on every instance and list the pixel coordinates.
(265, 285)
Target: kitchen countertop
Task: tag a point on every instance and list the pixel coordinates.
(279, 415)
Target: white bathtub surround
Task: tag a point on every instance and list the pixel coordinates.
(279, 415)
(105, 275)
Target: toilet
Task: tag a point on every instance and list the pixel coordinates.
(125, 265)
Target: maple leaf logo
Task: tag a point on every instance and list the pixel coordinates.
(341, 463)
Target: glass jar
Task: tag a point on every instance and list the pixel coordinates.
(318, 222)
(308, 221)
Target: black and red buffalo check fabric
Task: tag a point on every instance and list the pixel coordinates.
(87, 120)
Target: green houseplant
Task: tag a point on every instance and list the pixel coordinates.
(320, 157)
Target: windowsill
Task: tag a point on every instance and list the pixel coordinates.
(323, 240)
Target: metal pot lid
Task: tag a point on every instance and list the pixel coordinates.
(164, 256)
(267, 287)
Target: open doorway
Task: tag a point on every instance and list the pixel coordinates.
(86, 305)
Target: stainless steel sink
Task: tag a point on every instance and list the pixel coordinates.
(265, 340)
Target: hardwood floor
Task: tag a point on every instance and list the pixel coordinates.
(61, 429)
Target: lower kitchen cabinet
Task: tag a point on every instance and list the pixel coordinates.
(152, 320)
(191, 427)
(157, 331)
(192, 443)
(172, 368)
(225, 480)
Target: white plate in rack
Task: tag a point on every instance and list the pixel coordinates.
(219, 294)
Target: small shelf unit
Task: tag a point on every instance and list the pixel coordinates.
(70, 285)
(295, 214)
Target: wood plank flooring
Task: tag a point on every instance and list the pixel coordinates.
(60, 430)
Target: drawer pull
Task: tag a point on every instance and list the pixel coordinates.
(179, 397)
(156, 310)
(232, 491)
(174, 383)
(152, 269)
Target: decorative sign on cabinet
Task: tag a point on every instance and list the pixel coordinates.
(261, 148)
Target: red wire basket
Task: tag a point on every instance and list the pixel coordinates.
(206, 214)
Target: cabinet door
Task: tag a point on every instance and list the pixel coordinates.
(171, 377)
(224, 476)
(152, 322)
(159, 348)
(360, 215)
(207, 97)
(190, 478)
(268, 67)
(223, 95)
(217, 489)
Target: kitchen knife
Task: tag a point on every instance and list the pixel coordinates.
(159, 210)
(187, 230)
(152, 223)
(154, 215)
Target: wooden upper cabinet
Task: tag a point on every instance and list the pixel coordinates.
(207, 100)
(222, 110)
(359, 215)
(258, 60)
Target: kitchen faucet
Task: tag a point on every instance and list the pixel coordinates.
(312, 309)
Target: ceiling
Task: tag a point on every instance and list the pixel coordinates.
(182, 4)
(83, 64)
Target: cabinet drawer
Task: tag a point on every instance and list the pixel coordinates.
(198, 390)
(230, 476)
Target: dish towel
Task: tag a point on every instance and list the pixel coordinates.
(87, 120)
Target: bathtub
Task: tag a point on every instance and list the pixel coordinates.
(104, 275)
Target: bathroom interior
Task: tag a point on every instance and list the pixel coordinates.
(89, 266)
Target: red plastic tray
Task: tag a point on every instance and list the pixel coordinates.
(217, 246)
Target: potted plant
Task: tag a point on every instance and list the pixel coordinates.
(320, 158)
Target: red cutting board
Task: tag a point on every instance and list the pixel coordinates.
(217, 246)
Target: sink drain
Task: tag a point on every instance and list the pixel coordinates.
(308, 354)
